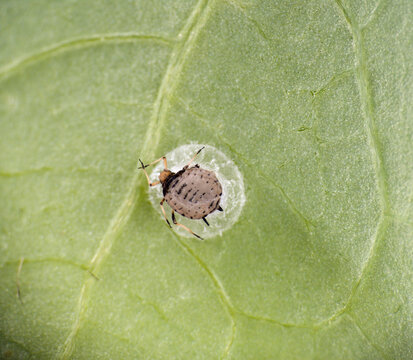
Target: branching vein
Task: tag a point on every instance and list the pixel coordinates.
(375, 148)
(271, 181)
(179, 54)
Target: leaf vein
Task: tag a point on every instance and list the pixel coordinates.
(363, 333)
(374, 13)
(219, 288)
(190, 31)
(57, 260)
(366, 97)
(77, 43)
(224, 140)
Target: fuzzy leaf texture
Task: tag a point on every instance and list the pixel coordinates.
(312, 100)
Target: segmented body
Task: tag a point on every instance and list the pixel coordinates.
(193, 192)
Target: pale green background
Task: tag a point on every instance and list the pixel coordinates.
(310, 99)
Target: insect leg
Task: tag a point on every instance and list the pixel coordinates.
(165, 164)
(205, 220)
(183, 226)
(195, 155)
(163, 212)
(146, 174)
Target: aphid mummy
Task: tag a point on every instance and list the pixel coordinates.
(188, 192)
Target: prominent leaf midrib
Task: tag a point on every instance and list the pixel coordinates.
(189, 34)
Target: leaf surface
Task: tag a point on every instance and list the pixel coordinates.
(311, 100)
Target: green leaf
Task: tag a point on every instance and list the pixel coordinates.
(311, 100)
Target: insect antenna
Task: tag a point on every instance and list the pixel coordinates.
(195, 155)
